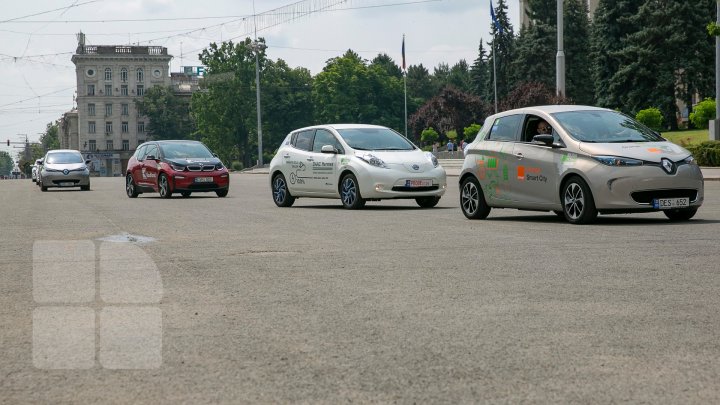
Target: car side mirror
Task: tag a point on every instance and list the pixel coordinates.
(543, 139)
(151, 157)
(88, 161)
(329, 149)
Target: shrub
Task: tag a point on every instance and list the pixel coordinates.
(651, 118)
(237, 165)
(429, 135)
(702, 113)
(471, 131)
(451, 134)
(706, 153)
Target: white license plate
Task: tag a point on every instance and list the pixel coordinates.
(67, 184)
(418, 183)
(669, 203)
(203, 179)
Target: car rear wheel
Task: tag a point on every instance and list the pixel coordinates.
(85, 188)
(350, 193)
(281, 194)
(680, 214)
(164, 186)
(427, 202)
(43, 188)
(578, 203)
(222, 193)
(472, 200)
(186, 194)
(130, 188)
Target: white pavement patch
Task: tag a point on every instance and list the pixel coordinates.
(64, 334)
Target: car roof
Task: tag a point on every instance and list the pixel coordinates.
(550, 109)
(63, 151)
(340, 126)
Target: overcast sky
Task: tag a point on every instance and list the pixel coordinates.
(37, 83)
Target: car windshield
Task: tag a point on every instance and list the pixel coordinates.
(64, 158)
(185, 150)
(605, 127)
(375, 139)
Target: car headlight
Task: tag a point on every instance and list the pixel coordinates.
(432, 158)
(177, 167)
(372, 160)
(690, 160)
(617, 161)
(219, 166)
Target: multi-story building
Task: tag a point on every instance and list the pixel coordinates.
(106, 126)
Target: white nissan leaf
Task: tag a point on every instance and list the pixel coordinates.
(355, 163)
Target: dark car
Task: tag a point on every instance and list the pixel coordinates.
(169, 167)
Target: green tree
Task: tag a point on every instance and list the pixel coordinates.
(470, 132)
(578, 84)
(168, 112)
(534, 54)
(419, 87)
(49, 140)
(6, 163)
(429, 135)
(503, 55)
(479, 74)
(225, 108)
(651, 118)
(385, 62)
(459, 76)
(703, 113)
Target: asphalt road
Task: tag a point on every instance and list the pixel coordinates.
(316, 304)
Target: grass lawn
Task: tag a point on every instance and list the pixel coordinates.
(687, 137)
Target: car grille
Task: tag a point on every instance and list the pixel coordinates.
(416, 189)
(198, 168)
(65, 181)
(646, 197)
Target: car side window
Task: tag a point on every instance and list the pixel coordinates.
(140, 153)
(303, 140)
(505, 128)
(324, 137)
(151, 150)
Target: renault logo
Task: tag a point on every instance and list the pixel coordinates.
(668, 165)
(66, 171)
(416, 167)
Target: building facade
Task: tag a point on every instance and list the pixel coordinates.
(105, 126)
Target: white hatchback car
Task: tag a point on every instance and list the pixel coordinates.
(356, 163)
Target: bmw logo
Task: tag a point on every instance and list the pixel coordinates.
(66, 171)
(416, 167)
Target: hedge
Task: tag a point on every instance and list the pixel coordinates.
(706, 153)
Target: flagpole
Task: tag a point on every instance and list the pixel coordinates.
(495, 75)
(404, 82)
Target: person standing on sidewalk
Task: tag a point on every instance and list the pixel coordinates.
(450, 147)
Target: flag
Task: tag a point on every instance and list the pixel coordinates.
(403, 52)
(498, 27)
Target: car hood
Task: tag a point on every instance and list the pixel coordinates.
(195, 161)
(648, 151)
(63, 166)
(413, 160)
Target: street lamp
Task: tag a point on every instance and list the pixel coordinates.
(560, 57)
(257, 47)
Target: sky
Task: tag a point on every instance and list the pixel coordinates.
(38, 39)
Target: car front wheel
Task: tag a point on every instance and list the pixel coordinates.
(164, 186)
(680, 214)
(578, 203)
(472, 200)
(427, 202)
(350, 193)
(280, 192)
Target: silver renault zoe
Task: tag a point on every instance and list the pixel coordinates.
(64, 168)
(577, 161)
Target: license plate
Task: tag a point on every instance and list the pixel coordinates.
(67, 184)
(203, 179)
(418, 183)
(669, 203)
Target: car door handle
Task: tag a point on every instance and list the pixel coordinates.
(286, 156)
(310, 159)
(519, 155)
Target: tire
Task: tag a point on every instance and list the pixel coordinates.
(164, 186)
(472, 200)
(281, 194)
(578, 204)
(350, 193)
(680, 214)
(186, 194)
(130, 188)
(43, 188)
(561, 214)
(85, 188)
(221, 193)
(427, 202)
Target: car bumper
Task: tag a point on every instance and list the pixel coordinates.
(379, 183)
(58, 179)
(634, 188)
(189, 181)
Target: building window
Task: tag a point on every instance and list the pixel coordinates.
(140, 75)
(91, 145)
(91, 109)
(140, 90)
(109, 144)
(108, 127)
(90, 89)
(108, 74)
(125, 127)
(124, 109)
(126, 144)
(108, 89)
(91, 127)
(123, 75)
(141, 127)
(108, 110)
(123, 90)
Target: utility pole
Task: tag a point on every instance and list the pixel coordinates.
(715, 124)
(560, 57)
